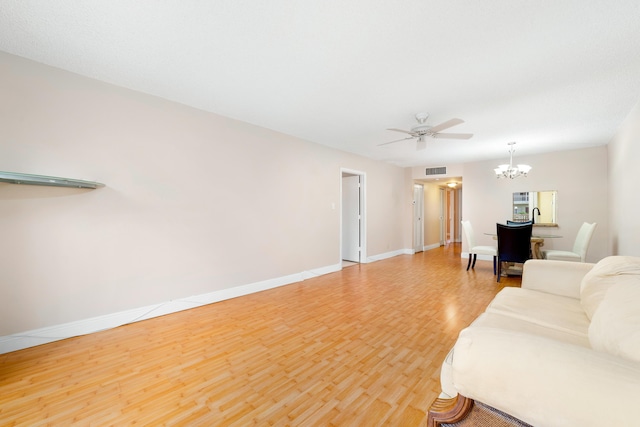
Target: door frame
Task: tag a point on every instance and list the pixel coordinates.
(363, 212)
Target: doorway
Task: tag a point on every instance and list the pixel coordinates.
(450, 208)
(443, 210)
(418, 218)
(449, 216)
(352, 217)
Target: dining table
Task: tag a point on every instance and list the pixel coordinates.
(537, 241)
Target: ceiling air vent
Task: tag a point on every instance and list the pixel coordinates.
(437, 171)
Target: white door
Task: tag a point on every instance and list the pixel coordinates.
(450, 215)
(351, 218)
(418, 218)
(442, 217)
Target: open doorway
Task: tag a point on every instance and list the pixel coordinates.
(436, 214)
(451, 201)
(443, 216)
(352, 217)
(418, 218)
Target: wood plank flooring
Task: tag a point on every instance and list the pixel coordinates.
(362, 346)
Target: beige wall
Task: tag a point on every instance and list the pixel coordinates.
(624, 181)
(193, 203)
(579, 176)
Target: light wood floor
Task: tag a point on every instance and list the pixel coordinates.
(362, 346)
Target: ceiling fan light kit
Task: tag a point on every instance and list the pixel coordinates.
(509, 171)
(423, 130)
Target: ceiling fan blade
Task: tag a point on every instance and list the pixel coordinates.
(397, 140)
(453, 135)
(446, 125)
(403, 131)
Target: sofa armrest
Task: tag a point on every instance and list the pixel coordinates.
(544, 381)
(555, 277)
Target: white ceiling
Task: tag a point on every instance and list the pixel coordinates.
(551, 75)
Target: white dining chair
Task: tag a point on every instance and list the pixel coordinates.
(475, 250)
(580, 246)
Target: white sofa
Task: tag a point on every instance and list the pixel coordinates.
(562, 350)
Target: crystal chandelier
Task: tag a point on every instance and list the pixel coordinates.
(510, 171)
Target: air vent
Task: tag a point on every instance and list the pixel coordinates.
(437, 171)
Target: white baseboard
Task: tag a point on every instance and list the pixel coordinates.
(390, 254)
(429, 247)
(49, 334)
(401, 252)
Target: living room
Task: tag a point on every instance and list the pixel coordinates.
(199, 207)
(155, 184)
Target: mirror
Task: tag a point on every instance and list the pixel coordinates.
(536, 206)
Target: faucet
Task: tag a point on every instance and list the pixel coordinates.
(533, 214)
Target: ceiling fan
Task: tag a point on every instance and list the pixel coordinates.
(423, 130)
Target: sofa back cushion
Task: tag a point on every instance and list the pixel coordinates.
(609, 271)
(615, 326)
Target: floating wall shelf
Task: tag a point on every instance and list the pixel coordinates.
(53, 181)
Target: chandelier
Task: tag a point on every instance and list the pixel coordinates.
(510, 171)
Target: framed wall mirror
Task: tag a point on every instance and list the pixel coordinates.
(536, 206)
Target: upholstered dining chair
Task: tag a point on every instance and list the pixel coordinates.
(580, 246)
(514, 244)
(474, 249)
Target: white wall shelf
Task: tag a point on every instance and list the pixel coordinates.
(53, 181)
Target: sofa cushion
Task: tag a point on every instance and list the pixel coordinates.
(545, 382)
(615, 326)
(607, 272)
(551, 311)
(489, 320)
(507, 322)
